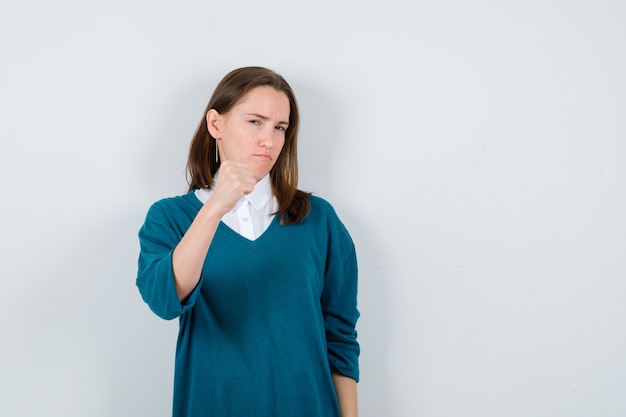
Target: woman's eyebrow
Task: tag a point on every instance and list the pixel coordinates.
(260, 116)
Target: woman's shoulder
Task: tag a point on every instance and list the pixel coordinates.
(322, 208)
(323, 215)
(178, 200)
(174, 204)
(320, 203)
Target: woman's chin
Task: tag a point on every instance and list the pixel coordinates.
(260, 171)
(259, 174)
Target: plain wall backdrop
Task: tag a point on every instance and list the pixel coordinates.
(476, 151)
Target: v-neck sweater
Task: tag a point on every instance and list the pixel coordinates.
(269, 320)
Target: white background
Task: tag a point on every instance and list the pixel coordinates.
(476, 150)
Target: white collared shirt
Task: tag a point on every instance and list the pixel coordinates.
(252, 215)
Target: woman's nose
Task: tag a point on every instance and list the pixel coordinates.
(267, 138)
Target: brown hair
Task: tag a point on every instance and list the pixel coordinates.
(293, 204)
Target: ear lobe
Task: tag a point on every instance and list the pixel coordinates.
(212, 121)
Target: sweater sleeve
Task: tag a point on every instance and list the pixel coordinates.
(339, 302)
(158, 237)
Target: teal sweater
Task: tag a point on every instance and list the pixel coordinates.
(269, 320)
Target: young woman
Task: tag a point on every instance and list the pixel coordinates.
(262, 276)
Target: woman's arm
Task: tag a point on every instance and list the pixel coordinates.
(339, 306)
(345, 388)
(234, 181)
(188, 256)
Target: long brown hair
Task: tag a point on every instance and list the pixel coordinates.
(202, 164)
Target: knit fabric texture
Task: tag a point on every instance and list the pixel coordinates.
(269, 320)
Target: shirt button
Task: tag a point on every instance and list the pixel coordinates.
(245, 219)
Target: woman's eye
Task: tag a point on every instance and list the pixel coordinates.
(255, 122)
(280, 128)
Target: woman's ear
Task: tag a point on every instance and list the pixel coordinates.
(213, 123)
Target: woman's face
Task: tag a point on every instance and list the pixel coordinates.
(253, 131)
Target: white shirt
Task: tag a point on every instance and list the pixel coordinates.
(252, 215)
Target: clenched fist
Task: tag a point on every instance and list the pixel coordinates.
(234, 181)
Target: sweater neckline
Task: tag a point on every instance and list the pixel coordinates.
(263, 236)
(191, 196)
